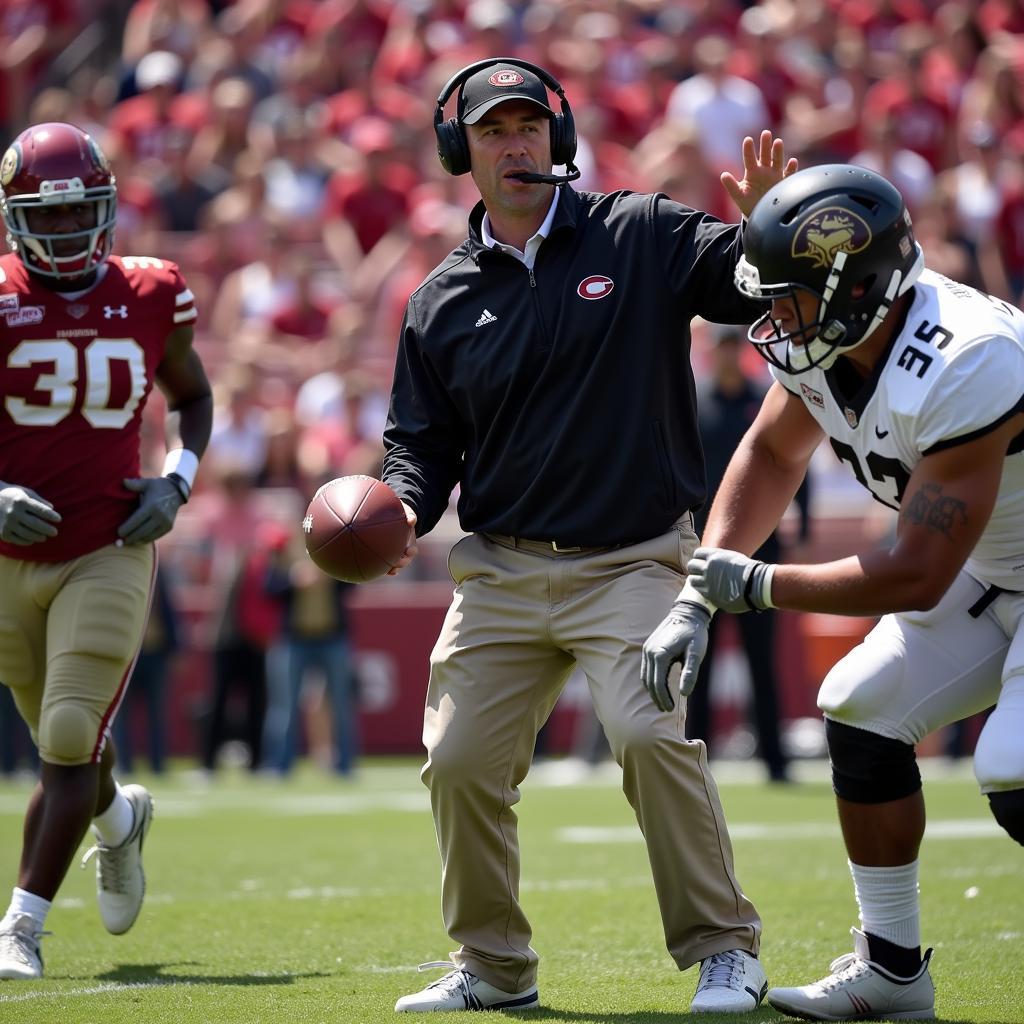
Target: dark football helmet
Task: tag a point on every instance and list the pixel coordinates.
(53, 164)
(841, 233)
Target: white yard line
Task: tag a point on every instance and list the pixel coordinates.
(94, 990)
(963, 828)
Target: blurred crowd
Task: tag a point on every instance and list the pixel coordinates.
(282, 152)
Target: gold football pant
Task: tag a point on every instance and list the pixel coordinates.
(521, 617)
(69, 635)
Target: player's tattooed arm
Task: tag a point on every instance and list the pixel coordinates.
(929, 507)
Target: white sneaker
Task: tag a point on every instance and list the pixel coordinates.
(858, 989)
(120, 880)
(460, 990)
(730, 982)
(20, 956)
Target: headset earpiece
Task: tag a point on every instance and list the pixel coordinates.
(452, 148)
(563, 135)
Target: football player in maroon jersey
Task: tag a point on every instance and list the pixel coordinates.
(84, 335)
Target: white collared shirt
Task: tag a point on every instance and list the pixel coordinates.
(529, 257)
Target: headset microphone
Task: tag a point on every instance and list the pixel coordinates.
(529, 178)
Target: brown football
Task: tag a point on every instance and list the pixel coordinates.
(355, 528)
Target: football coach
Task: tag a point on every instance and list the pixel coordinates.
(544, 367)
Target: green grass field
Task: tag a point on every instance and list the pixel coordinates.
(312, 901)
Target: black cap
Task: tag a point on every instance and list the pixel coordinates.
(495, 84)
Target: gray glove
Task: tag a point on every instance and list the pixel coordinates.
(25, 517)
(158, 505)
(731, 581)
(682, 638)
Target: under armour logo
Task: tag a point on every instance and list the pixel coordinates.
(486, 317)
(307, 524)
(109, 312)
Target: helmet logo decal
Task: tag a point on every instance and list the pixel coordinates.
(597, 286)
(9, 166)
(828, 232)
(98, 155)
(506, 77)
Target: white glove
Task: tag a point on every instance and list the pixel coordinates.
(731, 581)
(158, 506)
(25, 517)
(681, 638)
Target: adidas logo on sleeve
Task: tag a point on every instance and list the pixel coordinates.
(486, 317)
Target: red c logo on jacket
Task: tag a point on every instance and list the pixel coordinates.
(597, 286)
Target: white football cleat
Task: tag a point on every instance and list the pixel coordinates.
(20, 956)
(460, 990)
(730, 982)
(120, 880)
(859, 989)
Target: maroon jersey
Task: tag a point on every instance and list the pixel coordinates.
(75, 374)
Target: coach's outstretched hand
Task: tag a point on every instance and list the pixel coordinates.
(681, 637)
(764, 165)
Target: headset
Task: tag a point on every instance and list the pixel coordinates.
(453, 149)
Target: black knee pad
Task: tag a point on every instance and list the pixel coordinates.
(868, 768)
(1008, 809)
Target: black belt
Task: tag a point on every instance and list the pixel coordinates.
(546, 547)
(979, 606)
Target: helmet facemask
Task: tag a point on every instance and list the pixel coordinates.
(820, 341)
(37, 250)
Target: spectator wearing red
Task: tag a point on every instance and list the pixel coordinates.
(363, 205)
(175, 25)
(880, 21)
(923, 117)
(996, 16)
(139, 127)
(31, 32)
(759, 59)
(1010, 234)
(959, 42)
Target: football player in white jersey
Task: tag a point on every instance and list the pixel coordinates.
(917, 382)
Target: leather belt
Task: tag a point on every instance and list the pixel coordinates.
(546, 547)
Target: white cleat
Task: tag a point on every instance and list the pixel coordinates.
(460, 990)
(730, 982)
(859, 989)
(120, 880)
(20, 955)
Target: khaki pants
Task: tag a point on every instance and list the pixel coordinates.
(69, 636)
(521, 617)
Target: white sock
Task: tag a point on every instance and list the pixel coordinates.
(115, 824)
(889, 903)
(23, 902)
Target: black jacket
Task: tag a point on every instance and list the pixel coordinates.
(563, 417)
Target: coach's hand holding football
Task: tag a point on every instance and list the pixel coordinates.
(412, 550)
(25, 517)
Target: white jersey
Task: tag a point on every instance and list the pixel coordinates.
(954, 372)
